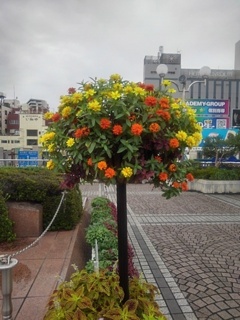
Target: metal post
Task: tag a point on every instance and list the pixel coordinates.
(6, 266)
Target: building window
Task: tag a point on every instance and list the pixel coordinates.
(32, 142)
(32, 133)
(4, 141)
(13, 122)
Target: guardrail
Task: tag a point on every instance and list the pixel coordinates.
(23, 162)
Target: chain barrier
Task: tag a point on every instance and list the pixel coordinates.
(7, 258)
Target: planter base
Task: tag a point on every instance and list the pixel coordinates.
(214, 186)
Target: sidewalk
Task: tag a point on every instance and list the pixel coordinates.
(188, 246)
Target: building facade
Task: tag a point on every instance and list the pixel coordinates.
(220, 85)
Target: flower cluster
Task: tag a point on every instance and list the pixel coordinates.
(115, 130)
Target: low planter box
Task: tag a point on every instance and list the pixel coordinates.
(214, 186)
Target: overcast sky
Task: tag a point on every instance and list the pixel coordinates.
(47, 46)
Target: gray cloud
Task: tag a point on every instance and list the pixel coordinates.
(48, 46)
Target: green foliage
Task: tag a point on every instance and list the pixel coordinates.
(6, 225)
(91, 296)
(219, 148)
(215, 173)
(39, 185)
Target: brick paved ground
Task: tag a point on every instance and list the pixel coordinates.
(189, 246)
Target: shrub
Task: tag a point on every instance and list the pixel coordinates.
(214, 173)
(39, 185)
(91, 296)
(6, 225)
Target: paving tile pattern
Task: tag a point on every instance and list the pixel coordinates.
(189, 246)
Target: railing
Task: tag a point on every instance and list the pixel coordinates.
(23, 162)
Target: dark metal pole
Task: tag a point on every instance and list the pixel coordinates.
(122, 237)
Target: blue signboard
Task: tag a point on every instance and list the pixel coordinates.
(222, 133)
(28, 158)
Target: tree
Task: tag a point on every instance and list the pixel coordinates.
(219, 148)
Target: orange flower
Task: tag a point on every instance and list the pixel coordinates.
(110, 173)
(154, 127)
(136, 129)
(149, 87)
(117, 129)
(89, 162)
(174, 143)
(184, 186)
(102, 165)
(164, 114)
(164, 103)
(172, 167)
(159, 159)
(132, 117)
(82, 132)
(105, 123)
(56, 117)
(176, 185)
(163, 176)
(150, 101)
(190, 177)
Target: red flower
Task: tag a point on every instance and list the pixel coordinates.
(132, 117)
(56, 117)
(172, 167)
(184, 186)
(71, 90)
(164, 114)
(83, 132)
(102, 165)
(105, 123)
(163, 176)
(110, 173)
(176, 185)
(150, 101)
(117, 129)
(154, 127)
(136, 129)
(174, 143)
(159, 159)
(190, 177)
(149, 87)
(164, 103)
(89, 162)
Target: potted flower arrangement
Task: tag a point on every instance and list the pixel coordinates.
(117, 131)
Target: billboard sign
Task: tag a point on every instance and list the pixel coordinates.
(209, 107)
(222, 133)
(27, 158)
(236, 118)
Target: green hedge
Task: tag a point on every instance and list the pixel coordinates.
(39, 185)
(214, 173)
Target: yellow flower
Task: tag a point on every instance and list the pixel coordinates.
(166, 83)
(89, 93)
(191, 142)
(171, 90)
(197, 136)
(115, 77)
(47, 136)
(77, 97)
(181, 135)
(175, 105)
(50, 164)
(94, 105)
(51, 148)
(65, 100)
(197, 127)
(128, 89)
(191, 112)
(66, 112)
(127, 172)
(138, 91)
(48, 115)
(102, 81)
(70, 142)
(117, 86)
(115, 95)
(178, 114)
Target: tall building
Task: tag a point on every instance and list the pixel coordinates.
(221, 84)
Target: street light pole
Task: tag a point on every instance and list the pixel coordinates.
(204, 72)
